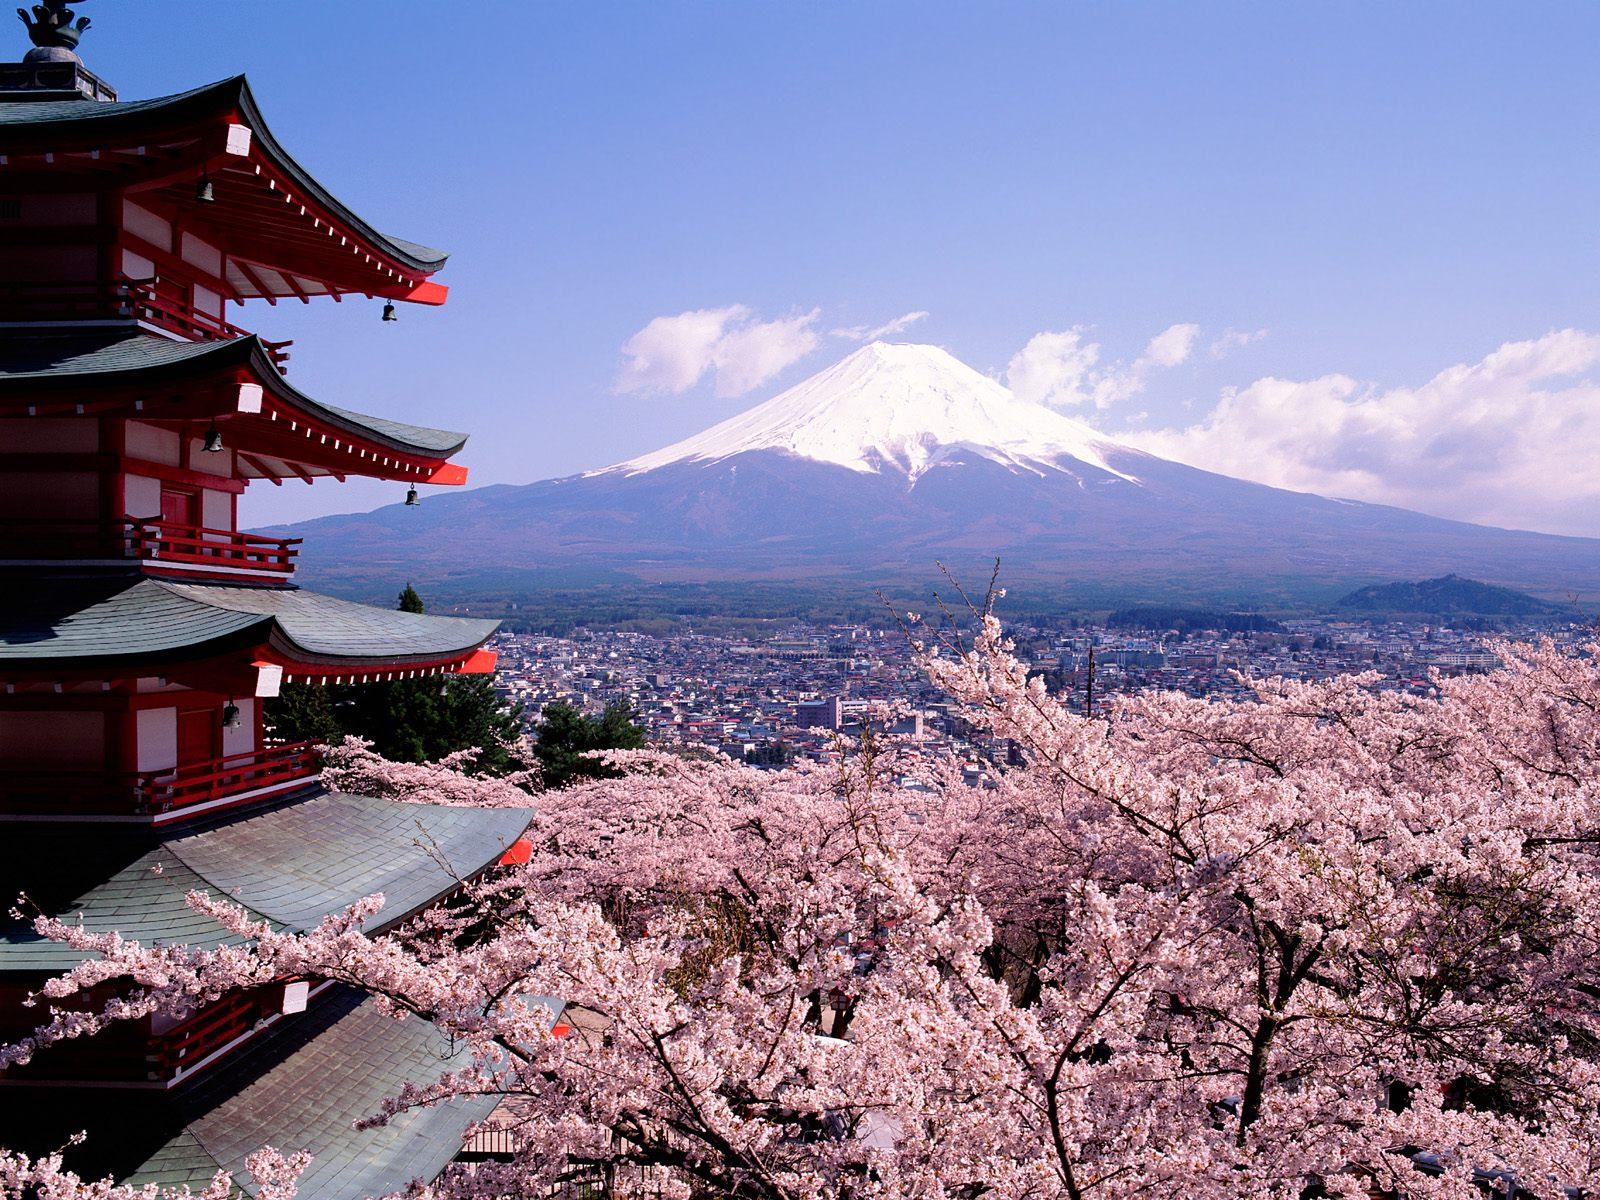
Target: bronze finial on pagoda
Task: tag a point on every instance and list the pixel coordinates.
(52, 70)
(52, 29)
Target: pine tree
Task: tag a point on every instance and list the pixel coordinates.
(407, 720)
(565, 736)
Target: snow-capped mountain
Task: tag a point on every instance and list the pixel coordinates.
(898, 458)
(897, 408)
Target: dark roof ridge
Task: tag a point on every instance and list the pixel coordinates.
(125, 623)
(233, 92)
(178, 357)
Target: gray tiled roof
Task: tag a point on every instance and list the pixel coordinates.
(33, 123)
(348, 1059)
(115, 621)
(45, 357)
(23, 112)
(323, 625)
(46, 353)
(106, 619)
(291, 866)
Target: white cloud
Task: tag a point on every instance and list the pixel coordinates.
(1063, 369)
(672, 354)
(1171, 346)
(1234, 339)
(1512, 440)
(1056, 369)
(865, 333)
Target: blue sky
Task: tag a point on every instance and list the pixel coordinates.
(1388, 191)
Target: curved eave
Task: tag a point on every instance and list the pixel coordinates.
(65, 127)
(289, 865)
(304, 666)
(362, 444)
(97, 627)
(417, 442)
(347, 1058)
(423, 260)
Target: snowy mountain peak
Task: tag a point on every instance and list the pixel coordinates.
(896, 407)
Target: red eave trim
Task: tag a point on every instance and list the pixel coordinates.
(297, 434)
(481, 662)
(448, 475)
(517, 854)
(356, 671)
(427, 292)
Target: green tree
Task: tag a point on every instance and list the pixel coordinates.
(303, 712)
(422, 720)
(407, 720)
(565, 735)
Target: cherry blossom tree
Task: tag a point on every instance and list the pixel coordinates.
(1328, 941)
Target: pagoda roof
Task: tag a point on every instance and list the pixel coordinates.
(88, 126)
(290, 866)
(302, 1084)
(307, 1090)
(64, 622)
(36, 361)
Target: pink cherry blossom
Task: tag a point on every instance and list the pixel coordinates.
(1327, 941)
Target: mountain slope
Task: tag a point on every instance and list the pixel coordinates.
(1449, 596)
(895, 408)
(899, 457)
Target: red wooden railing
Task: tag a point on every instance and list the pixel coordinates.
(198, 783)
(148, 540)
(129, 299)
(131, 1052)
(154, 793)
(184, 319)
(224, 1020)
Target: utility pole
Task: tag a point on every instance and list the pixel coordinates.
(1088, 691)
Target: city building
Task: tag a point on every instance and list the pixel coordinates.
(141, 633)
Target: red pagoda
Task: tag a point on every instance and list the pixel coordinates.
(141, 631)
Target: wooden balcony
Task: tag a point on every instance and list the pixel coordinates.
(126, 300)
(158, 795)
(190, 549)
(132, 1053)
(219, 1024)
(166, 792)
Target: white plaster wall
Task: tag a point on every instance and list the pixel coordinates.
(47, 495)
(137, 266)
(207, 301)
(141, 496)
(219, 462)
(152, 444)
(53, 740)
(216, 509)
(202, 254)
(145, 224)
(49, 435)
(50, 264)
(157, 738)
(243, 739)
(59, 208)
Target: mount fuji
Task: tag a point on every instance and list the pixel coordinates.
(901, 456)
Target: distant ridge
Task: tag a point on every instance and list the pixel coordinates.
(1448, 596)
(900, 457)
(1152, 617)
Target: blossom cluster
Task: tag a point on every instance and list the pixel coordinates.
(1330, 941)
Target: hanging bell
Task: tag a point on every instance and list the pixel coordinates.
(388, 311)
(412, 499)
(230, 716)
(213, 441)
(204, 193)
